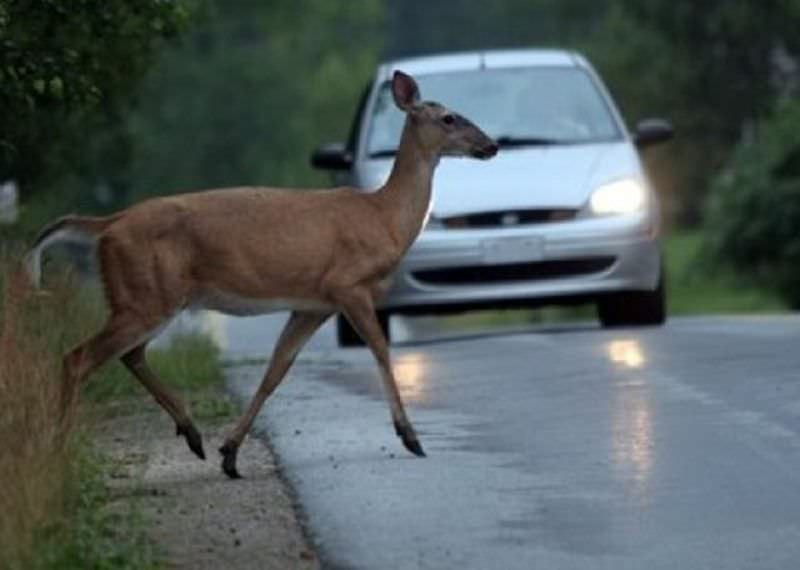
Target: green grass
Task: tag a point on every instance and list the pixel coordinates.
(189, 365)
(696, 287)
(89, 534)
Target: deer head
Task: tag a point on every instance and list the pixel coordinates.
(439, 130)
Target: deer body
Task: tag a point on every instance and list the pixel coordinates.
(235, 250)
(254, 250)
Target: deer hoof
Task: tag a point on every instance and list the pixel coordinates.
(193, 439)
(414, 447)
(228, 452)
(409, 438)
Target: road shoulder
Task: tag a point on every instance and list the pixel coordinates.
(198, 518)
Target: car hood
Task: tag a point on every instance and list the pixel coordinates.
(537, 177)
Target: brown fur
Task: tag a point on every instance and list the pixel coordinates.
(325, 250)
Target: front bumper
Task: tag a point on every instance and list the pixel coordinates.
(448, 270)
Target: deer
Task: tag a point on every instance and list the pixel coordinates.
(254, 250)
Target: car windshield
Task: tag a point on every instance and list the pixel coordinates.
(517, 106)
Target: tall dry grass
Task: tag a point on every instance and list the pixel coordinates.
(52, 492)
(35, 468)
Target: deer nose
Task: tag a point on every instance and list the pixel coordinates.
(486, 151)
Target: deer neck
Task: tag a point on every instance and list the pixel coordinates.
(406, 196)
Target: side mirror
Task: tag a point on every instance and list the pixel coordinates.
(652, 131)
(332, 156)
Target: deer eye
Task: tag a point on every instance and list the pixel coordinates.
(448, 119)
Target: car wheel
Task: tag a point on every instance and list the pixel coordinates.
(634, 308)
(348, 337)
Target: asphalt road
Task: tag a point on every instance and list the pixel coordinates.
(569, 448)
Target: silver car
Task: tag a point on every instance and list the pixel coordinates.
(563, 215)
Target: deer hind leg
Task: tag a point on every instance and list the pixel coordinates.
(136, 363)
(360, 311)
(120, 333)
(298, 329)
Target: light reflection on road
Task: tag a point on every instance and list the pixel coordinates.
(626, 353)
(632, 432)
(255, 336)
(411, 371)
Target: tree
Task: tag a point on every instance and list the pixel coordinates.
(754, 207)
(713, 67)
(424, 26)
(60, 60)
(249, 92)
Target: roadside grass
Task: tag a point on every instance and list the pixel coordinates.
(190, 364)
(694, 287)
(53, 498)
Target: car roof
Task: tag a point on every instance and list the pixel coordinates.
(491, 59)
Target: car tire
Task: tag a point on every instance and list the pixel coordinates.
(634, 308)
(348, 337)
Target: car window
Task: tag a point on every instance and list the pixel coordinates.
(561, 105)
(358, 118)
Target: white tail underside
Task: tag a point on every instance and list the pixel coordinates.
(33, 261)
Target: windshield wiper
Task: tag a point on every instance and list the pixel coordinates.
(504, 141)
(384, 153)
(507, 141)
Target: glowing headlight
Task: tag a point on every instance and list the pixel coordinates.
(619, 197)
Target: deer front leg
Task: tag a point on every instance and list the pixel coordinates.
(360, 311)
(136, 362)
(298, 330)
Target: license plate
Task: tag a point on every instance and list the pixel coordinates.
(513, 249)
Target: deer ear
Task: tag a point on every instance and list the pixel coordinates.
(405, 90)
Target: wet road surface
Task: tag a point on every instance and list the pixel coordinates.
(568, 448)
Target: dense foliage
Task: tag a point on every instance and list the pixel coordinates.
(424, 26)
(241, 98)
(59, 60)
(250, 91)
(754, 208)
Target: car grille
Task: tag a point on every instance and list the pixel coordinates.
(507, 218)
(536, 271)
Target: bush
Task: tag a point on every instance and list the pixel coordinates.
(35, 454)
(753, 210)
(54, 500)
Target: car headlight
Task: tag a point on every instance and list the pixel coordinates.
(624, 196)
